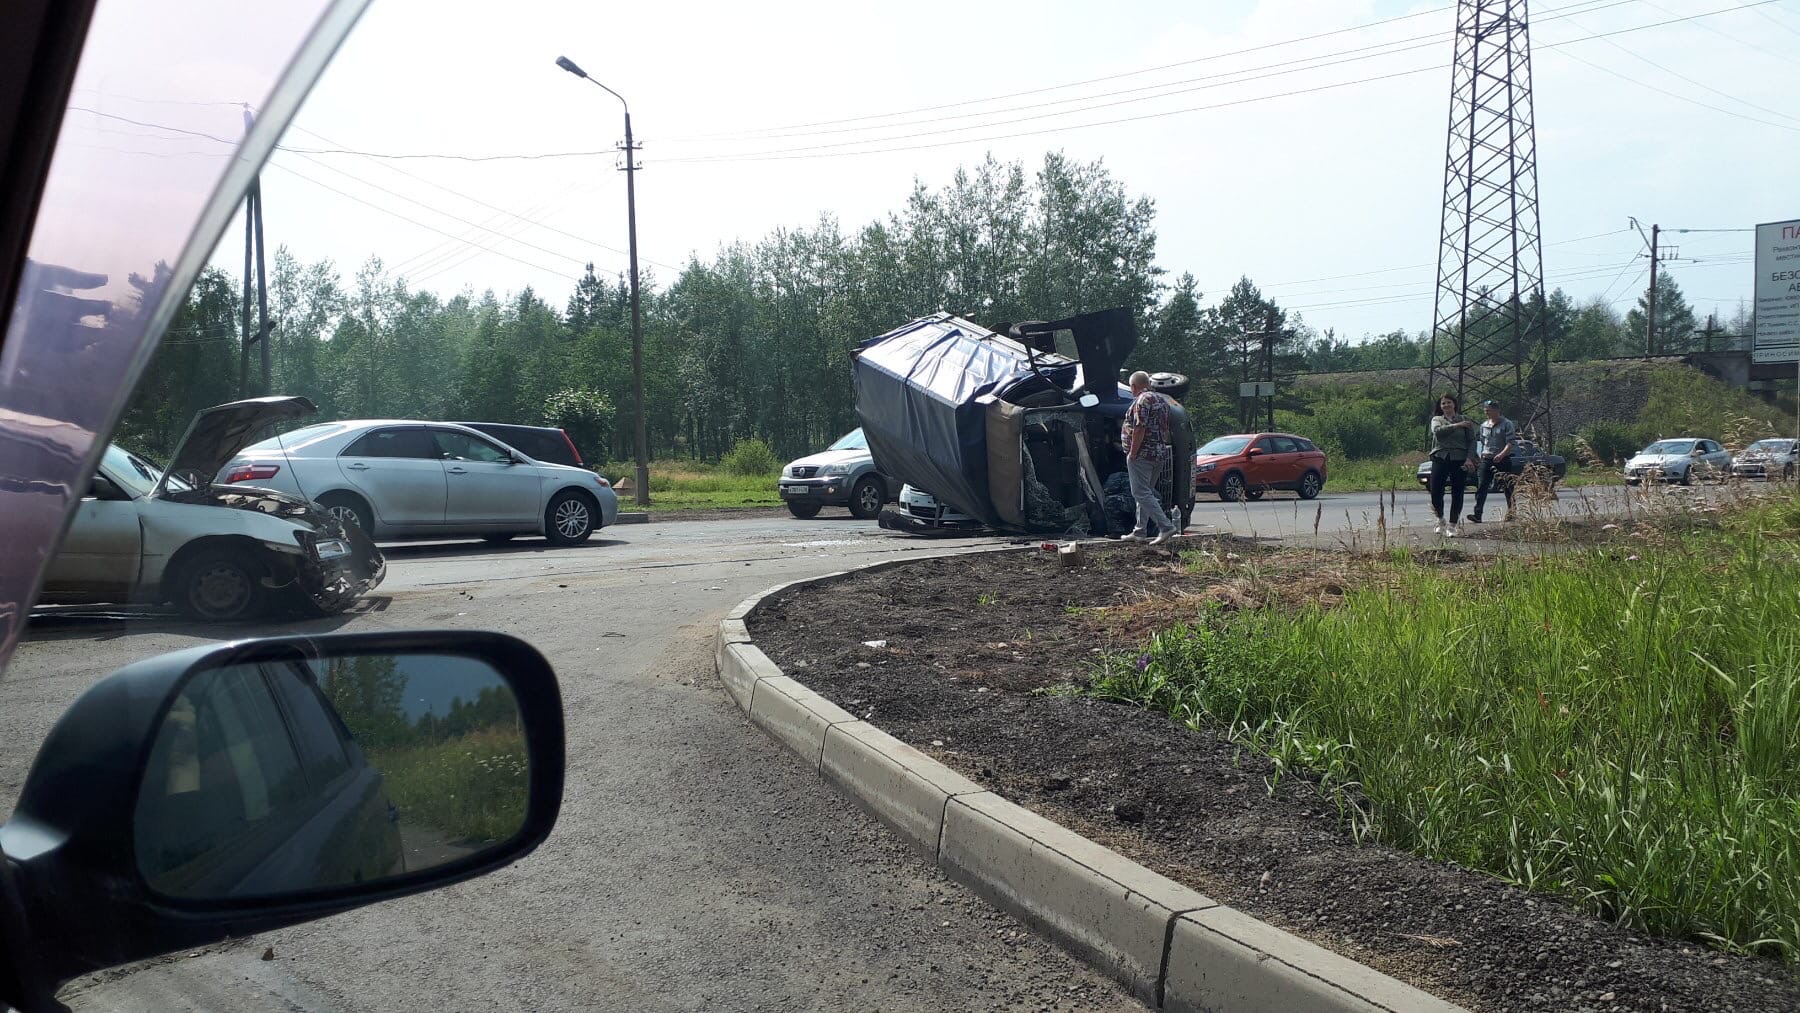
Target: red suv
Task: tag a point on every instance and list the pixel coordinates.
(1247, 465)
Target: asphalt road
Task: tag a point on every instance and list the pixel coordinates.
(695, 864)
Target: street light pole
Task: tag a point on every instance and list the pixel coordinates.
(642, 480)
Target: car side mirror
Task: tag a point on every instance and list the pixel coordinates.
(103, 488)
(1253, 452)
(239, 787)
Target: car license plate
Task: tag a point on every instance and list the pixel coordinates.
(794, 490)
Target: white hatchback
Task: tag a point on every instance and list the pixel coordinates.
(408, 479)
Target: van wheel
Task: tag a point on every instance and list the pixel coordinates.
(218, 586)
(1231, 490)
(865, 500)
(1310, 484)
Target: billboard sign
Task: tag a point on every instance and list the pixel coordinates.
(1777, 293)
(1260, 388)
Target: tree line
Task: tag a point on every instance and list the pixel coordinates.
(755, 342)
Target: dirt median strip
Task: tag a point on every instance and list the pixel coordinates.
(1173, 947)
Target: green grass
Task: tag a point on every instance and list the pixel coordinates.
(1619, 725)
(688, 485)
(472, 788)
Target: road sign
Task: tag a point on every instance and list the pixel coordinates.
(1260, 388)
(1777, 337)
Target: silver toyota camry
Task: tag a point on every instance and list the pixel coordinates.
(398, 478)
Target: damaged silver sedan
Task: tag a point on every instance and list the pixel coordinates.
(143, 534)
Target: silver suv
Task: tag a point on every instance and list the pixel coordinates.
(843, 474)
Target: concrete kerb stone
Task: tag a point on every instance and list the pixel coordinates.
(1109, 910)
(796, 716)
(901, 786)
(1221, 958)
(1171, 946)
(741, 667)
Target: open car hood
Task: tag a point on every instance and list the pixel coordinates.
(218, 433)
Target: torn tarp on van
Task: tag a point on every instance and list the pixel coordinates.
(1003, 427)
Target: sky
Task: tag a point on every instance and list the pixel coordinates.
(1314, 166)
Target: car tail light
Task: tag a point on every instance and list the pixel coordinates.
(571, 443)
(252, 472)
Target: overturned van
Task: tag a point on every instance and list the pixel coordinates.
(1018, 427)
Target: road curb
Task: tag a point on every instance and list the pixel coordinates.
(1173, 947)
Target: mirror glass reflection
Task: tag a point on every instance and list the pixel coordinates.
(293, 775)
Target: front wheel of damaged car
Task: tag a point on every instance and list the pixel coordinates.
(569, 519)
(218, 585)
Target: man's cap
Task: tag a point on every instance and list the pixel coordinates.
(1490, 404)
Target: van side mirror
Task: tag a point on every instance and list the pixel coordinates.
(239, 787)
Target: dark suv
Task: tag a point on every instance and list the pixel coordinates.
(540, 443)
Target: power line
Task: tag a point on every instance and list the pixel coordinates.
(809, 151)
(824, 150)
(492, 207)
(446, 214)
(1092, 80)
(1698, 84)
(765, 132)
(1676, 95)
(420, 224)
(1317, 61)
(1721, 33)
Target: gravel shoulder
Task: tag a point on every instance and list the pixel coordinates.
(971, 642)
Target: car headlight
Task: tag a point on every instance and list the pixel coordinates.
(1204, 468)
(834, 469)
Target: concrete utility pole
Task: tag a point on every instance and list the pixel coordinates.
(642, 479)
(254, 250)
(1655, 240)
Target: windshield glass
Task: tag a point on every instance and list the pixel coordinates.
(133, 473)
(1225, 445)
(852, 440)
(1770, 447)
(1670, 447)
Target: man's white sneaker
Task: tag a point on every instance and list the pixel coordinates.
(1134, 537)
(1163, 536)
(1438, 528)
(1449, 531)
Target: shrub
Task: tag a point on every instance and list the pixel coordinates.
(1611, 442)
(751, 457)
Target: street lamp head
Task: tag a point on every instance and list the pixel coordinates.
(569, 65)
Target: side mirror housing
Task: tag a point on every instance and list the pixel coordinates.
(235, 788)
(103, 488)
(1254, 452)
